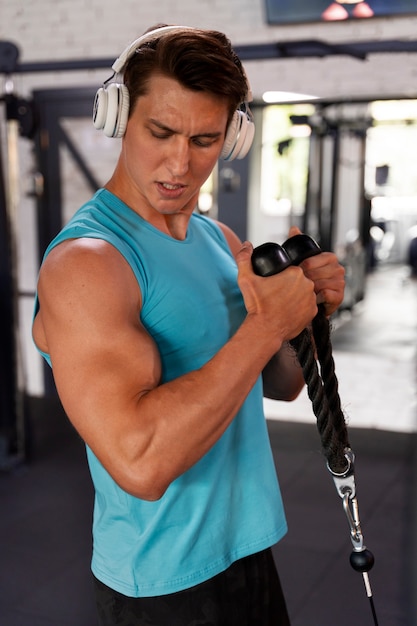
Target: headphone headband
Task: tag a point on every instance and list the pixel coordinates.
(111, 104)
(121, 61)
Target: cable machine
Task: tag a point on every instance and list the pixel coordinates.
(337, 212)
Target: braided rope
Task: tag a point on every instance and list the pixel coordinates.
(321, 334)
(323, 391)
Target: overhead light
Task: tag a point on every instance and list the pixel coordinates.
(273, 97)
(301, 130)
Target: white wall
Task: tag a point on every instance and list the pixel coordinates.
(65, 29)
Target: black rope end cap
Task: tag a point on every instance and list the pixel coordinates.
(362, 561)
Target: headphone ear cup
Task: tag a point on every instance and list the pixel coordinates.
(117, 110)
(100, 109)
(111, 110)
(246, 138)
(239, 137)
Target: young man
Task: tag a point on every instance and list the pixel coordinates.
(159, 333)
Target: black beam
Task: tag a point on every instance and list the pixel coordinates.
(9, 55)
(247, 52)
(296, 49)
(65, 66)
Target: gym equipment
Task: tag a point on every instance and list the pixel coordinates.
(322, 387)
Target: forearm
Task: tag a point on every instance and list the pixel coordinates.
(178, 422)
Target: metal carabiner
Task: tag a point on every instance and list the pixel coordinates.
(350, 506)
(361, 559)
(346, 488)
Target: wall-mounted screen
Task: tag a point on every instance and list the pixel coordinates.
(295, 11)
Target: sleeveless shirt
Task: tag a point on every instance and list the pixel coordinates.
(228, 505)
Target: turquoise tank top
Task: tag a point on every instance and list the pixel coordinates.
(228, 505)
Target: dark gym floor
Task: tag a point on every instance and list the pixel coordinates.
(46, 508)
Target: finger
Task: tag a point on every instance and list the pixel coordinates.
(245, 253)
(294, 230)
(243, 258)
(325, 263)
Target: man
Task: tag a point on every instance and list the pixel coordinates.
(158, 333)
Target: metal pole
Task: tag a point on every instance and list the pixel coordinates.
(12, 204)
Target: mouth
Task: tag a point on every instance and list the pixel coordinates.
(170, 186)
(170, 190)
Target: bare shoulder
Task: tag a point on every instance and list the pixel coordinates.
(84, 284)
(90, 266)
(233, 240)
(81, 254)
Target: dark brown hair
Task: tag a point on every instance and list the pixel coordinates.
(200, 60)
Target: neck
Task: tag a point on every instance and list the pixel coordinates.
(173, 224)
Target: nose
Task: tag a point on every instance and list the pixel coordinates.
(178, 156)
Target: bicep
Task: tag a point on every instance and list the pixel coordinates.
(102, 359)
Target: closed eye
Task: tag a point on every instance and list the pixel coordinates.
(205, 141)
(159, 131)
(161, 135)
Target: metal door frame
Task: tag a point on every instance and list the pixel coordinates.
(51, 105)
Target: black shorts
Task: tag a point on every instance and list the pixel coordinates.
(248, 593)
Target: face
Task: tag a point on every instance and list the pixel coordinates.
(172, 142)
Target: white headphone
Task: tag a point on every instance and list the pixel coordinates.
(111, 104)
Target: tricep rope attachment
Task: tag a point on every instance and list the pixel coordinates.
(314, 353)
